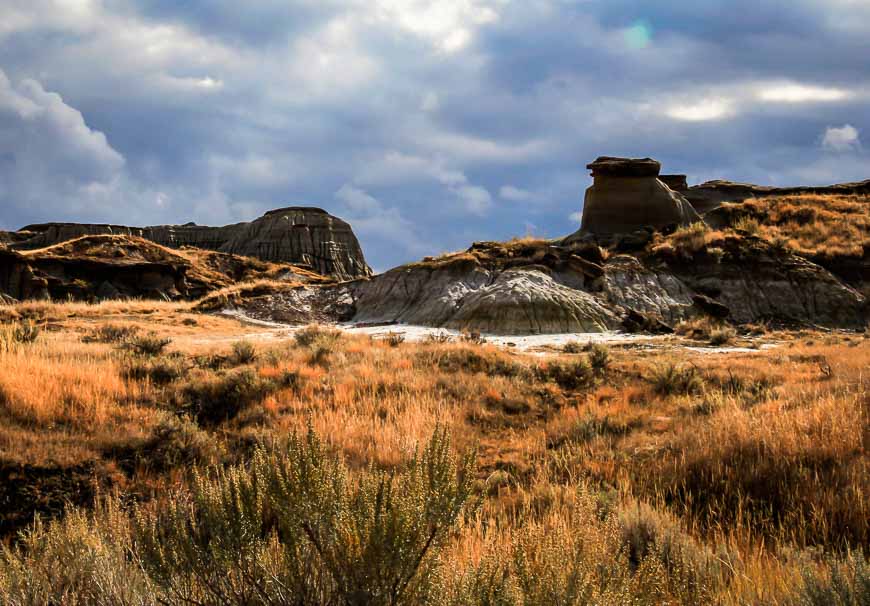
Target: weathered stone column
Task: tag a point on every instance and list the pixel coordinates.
(627, 195)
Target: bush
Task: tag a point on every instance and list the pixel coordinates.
(147, 345)
(599, 358)
(845, 583)
(438, 338)
(645, 533)
(111, 333)
(316, 335)
(394, 339)
(749, 225)
(671, 379)
(81, 560)
(26, 332)
(571, 375)
(294, 528)
(472, 360)
(573, 347)
(19, 333)
(178, 441)
(722, 335)
(472, 336)
(159, 371)
(243, 352)
(212, 399)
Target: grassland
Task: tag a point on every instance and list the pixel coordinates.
(604, 476)
(824, 226)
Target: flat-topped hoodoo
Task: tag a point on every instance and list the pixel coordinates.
(627, 195)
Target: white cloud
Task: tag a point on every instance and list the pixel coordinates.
(449, 25)
(396, 167)
(371, 219)
(800, 93)
(516, 194)
(357, 200)
(725, 101)
(702, 111)
(477, 199)
(576, 217)
(844, 138)
(430, 102)
(45, 135)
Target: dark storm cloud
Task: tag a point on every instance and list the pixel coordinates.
(427, 124)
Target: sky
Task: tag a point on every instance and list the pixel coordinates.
(427, 124)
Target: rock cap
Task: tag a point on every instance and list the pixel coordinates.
(606, 166)
(675, 182)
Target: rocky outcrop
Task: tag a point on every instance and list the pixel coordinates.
(300, 235)
(18, 279)
(626, 195)
(527, 300)
(93, 268)
(678, 183)
(757, 282)
(547, 287)
(710, 195)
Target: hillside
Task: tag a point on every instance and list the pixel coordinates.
(111, 267)
(303, 236)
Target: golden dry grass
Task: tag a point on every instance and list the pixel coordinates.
(769, 458)
(822, 225)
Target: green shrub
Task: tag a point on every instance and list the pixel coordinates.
(473, 337)
(647, 534)
(26, 332)
(111, 333)
(243, 352)
(19, 333)
(599, 358)
(215, 399)
(473, 361)
(748, 224)
(574, 347)
(844, 583)
(316, 335)
(293, 528)
(81, 560)
(178, 441)
(571, 375)
(438, 338)
(147, 345)
(671, 379)
(159, 371)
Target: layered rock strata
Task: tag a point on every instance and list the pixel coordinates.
(626, 195)
(300, 235)
(551, 288)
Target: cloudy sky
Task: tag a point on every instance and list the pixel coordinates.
(426, 123)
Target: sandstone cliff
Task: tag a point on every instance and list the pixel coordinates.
(299, 235)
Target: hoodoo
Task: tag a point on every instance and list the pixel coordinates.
(627, 195)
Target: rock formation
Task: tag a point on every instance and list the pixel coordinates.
(678, 183)
(548, 287)
(93, 268)
(299, 235)
(710, 195)
(626, 195)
